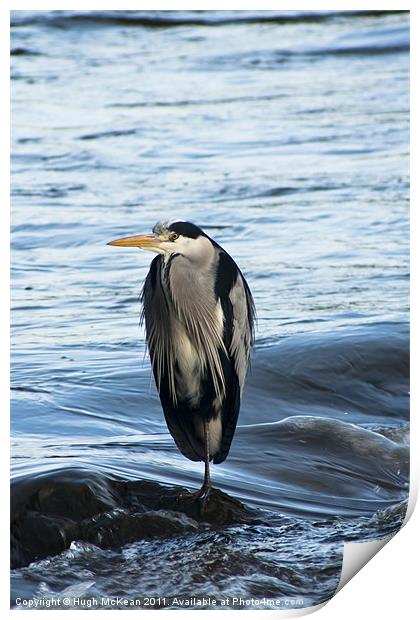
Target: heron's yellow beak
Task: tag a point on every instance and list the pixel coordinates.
(140, 241)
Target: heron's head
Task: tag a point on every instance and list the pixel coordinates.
(171, 238)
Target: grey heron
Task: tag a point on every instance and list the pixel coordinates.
(199, 317)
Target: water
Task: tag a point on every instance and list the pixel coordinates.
(284, 135)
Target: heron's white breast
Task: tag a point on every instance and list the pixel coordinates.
(189, 376)
(192, 359)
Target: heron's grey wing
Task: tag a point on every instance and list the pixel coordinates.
(156, 315)
(239, 314)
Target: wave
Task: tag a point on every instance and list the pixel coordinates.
(108, 134)
(23, 51)
(308, 465)
(165, 19)
(358, 374)
(373, 43)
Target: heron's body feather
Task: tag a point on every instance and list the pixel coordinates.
(199, 326)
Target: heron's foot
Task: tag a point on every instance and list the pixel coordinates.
(202, 495)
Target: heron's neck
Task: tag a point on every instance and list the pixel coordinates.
(192, 276)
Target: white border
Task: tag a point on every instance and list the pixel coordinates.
(387, 586)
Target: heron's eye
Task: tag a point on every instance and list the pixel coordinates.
(173, 236)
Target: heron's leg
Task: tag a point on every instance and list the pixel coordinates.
(205, 489)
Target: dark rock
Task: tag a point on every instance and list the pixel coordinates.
(37, 536)
(121, 527)
(70, 492)
(218, 510)
(49, 511)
